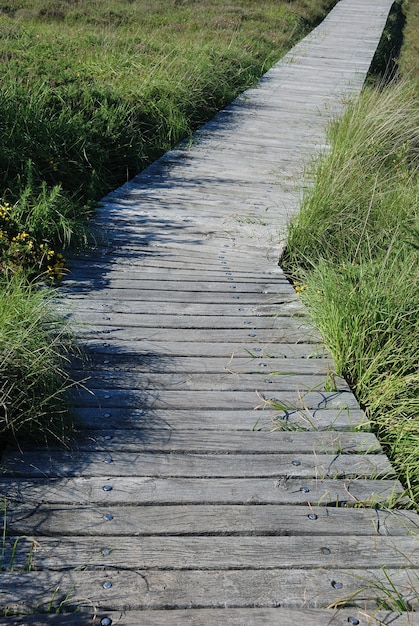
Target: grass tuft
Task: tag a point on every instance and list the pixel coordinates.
(34, 349)
(354, 248)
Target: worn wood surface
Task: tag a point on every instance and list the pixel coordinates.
(222, 474)
(228, 617)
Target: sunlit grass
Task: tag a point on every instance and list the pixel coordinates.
(354, 247)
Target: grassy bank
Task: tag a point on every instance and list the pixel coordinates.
(354, 251)
(90, 93)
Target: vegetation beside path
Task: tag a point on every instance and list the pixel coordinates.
(353, 250)
(92, 91)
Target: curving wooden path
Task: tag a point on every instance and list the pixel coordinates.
(224, 474)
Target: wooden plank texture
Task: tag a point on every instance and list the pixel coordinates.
(221, 473)
(225, 617)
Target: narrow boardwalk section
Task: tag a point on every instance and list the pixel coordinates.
(224, 474)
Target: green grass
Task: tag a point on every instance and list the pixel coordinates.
(34, 348)
(92, 91)
(354, 246)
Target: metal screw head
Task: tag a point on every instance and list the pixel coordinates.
(252, 334)
(353, 620)
(236, 297)
(337, 585)
(312, 516)
(107, 584)
(106, 415)
(325, 550)
(106, 361)
(257, 349)
(296, 463)
(108, 517)
(107, 488)
(108, 437)
(106, 621)
(105, 551)
(269, 381)
(107, 396)
(232, 286)
(263, 365)
(108, 459)
(305, 489)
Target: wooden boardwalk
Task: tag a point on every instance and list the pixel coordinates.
(224, 475)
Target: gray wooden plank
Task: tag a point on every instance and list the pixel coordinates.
(154, 589)
(220, 617)
(292, 325)
(140, 307)
(171, 284)
(163, 399)
(210, 520)
(280, 442)
(152, 490)
(196, 465)
(260, 380)
(200, 419)
(98, 364)
(144, 348)
(213, 553)
(294, 333)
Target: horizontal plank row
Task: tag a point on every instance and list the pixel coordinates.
(221, 617)
(223, 420)
(150, 490)
(113, 520)
(351, 444)
(262, 380)
(183, 589)
(211, 553)
(153, 347)
(270, 397)
(100, 363)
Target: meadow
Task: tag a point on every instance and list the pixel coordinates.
(90, 93)
(353, 251)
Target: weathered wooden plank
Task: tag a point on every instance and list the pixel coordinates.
(200, 419)
(164, 399)
(96, 309)
(354, 444)
(106, 362)
(213, 553)
(159, 270)
(222, 617)
(171, 284)
(185, 589)
(260, 380)
(301, 465)
(290, 324)
(239, 442)
(226, 520)
(295, 333)
(99, 290)
(151, 490)
(161, 349)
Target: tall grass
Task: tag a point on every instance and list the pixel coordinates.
(91, 92)
(354, 245)
(33, 352)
